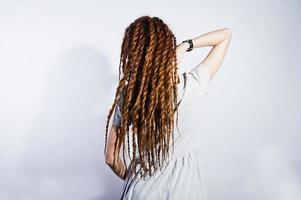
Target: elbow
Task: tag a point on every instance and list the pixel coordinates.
(228, 32)
(109, 160)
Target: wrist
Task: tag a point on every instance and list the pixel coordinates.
(188, 43)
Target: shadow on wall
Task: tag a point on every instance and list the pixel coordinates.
(64, 158)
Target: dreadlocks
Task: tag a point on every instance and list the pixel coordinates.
(149, 81)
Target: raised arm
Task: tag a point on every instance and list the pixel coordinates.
(220, 40)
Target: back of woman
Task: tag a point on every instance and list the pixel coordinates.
(159, 121)
(182, 176)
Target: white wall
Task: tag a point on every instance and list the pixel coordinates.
(59, 71)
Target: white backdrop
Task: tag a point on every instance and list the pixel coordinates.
(58, 75)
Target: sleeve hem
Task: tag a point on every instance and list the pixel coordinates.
(206, 80)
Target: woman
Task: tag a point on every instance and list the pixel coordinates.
(164, 162)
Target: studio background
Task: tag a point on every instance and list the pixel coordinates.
(58, 75)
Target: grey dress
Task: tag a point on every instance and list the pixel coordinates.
(182, 177)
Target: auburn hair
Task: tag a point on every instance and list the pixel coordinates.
(149, 79)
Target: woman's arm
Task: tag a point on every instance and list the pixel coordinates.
(212, 38)
(119, 169)
(220, 40)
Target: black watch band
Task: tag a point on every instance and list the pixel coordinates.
(190, 44)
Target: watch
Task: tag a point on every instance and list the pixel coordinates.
(190, 44)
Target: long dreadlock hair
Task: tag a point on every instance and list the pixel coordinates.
(149, 82)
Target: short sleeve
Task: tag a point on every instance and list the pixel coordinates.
(117, 112)
(200, 75)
